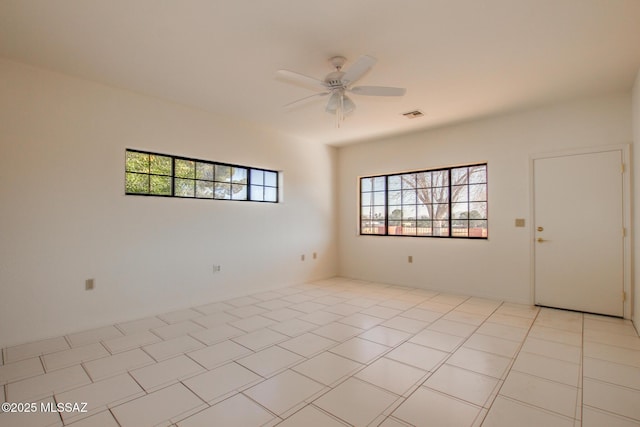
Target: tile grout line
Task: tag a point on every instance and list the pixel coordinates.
(352, 374)
(510, 366)
(439, 364)
(110, 410)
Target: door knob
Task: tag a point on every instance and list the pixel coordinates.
(540, 239)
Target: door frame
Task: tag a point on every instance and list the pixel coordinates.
(626, 214)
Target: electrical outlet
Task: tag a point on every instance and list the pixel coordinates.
(216, 268)
(410, 259)
(89, 284)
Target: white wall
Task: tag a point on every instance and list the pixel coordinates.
(636, 207)
(64, 216)
(500, 266)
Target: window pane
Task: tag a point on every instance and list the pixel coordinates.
(440, 195)
(409, 229)
(160, 185)
(459, 176)
(239, 192)
(378, 183)
(185, 168)
(478, 192)
(440, 211)
(379, 228)
(184, 187)
(366, 199)
(459, 193)
(460, 228)
(379, 212)
(409, 223)
(257, 177)
(223, 173)
(424, 228)
(409, 180)
(478, 210)
(204, 189)
(372, 227)
(378, 198)
(394, 182)
(409, 212)
(440, 178)
(222, 191)
(373, 212)
(366, 212)
(395, 197)
(160, 165)
(239, 176)
(459, 210)
(270, 194)
(271, 179)
(380, 224)
(366, 184)
(424, 211)
(441, 228)
(409, 196)
(257, 192)
(137, 162)
(478, 174)
(478, 228)
(395, 212)
(423, 180)
(137, 183)
(204, 171)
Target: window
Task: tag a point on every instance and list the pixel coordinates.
(447, 202)
(151, 174)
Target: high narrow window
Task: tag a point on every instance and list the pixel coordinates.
(447, 202)
(153, 174)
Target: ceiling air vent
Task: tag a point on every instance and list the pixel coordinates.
(413, 114)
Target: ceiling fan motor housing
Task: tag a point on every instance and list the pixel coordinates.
(334, 79)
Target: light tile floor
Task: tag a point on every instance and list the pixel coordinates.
(333, 353)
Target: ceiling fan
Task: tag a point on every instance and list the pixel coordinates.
(337, 83)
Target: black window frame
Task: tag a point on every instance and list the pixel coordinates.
(179, 182)
(380, 219)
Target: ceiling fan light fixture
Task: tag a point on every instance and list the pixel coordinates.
(334, 105)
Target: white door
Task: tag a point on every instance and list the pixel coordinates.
(579, 241)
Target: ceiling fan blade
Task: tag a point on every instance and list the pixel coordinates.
(306, 98)
(359, 69)
(378, 90)
(301, 80)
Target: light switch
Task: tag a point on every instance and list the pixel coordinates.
(519, 222)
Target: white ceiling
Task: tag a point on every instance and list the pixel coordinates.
(458, 59)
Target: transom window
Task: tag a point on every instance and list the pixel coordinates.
(152, 174)
(446, 202)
